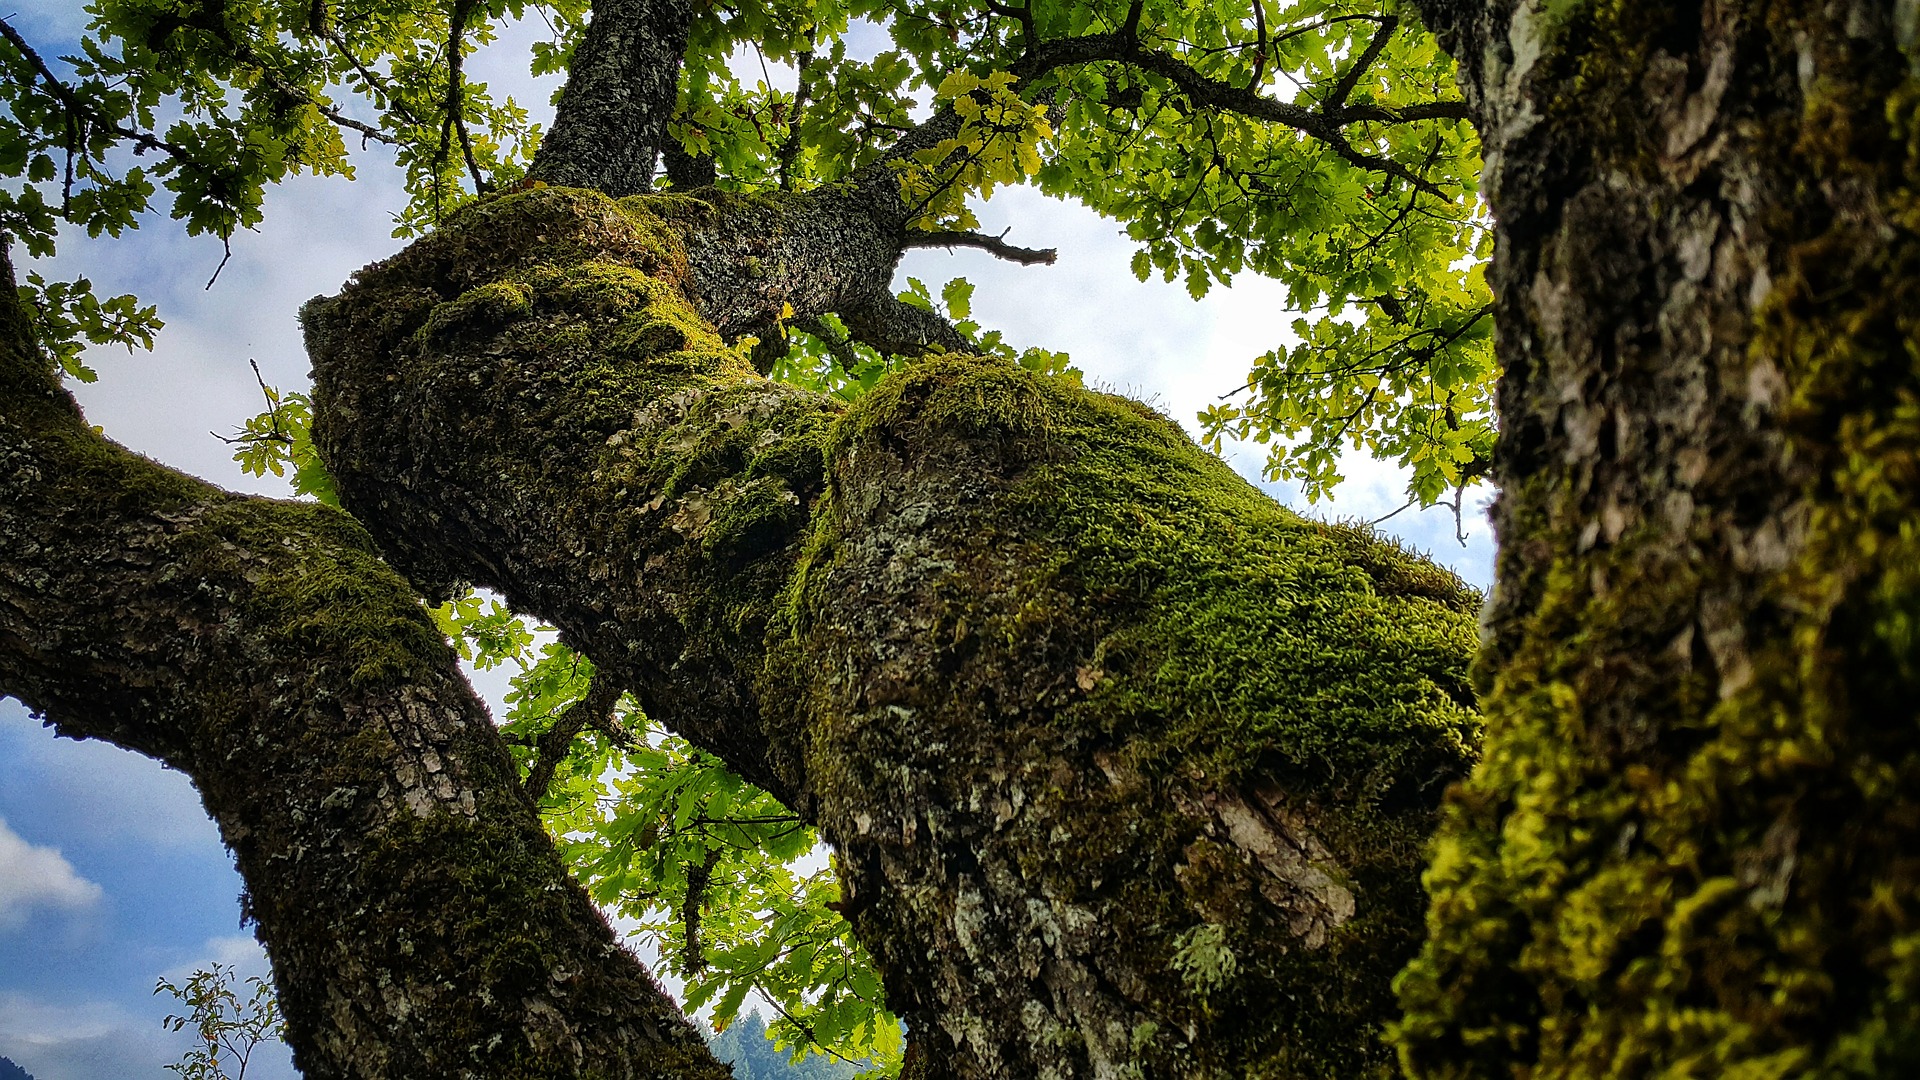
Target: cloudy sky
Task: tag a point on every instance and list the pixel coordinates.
(111, 876)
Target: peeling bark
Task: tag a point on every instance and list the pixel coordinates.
(1692, 840)
(1073, 702)
(419, 922)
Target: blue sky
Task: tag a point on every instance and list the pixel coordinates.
(111, 876)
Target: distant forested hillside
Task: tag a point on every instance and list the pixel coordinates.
(10, 1071)
(747, 1048)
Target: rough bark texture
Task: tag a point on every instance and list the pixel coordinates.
(419, 922)
(1080, 710)
(622, 82)
(1691, 846)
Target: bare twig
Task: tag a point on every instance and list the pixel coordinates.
(993, 245)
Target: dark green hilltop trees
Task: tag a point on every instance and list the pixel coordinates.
(1126, 770)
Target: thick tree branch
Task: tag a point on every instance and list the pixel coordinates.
(595, 710)
(939, 626)
(419, 921)
(621, 89)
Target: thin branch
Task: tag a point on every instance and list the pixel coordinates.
(693, 958)
(1206, 91)
(322, 21)
(838, 347)
(66, 96)
(1389, 517)
(553, 744)
(1351, 77)
(1260, 36)
(993, 245)
(455, 121)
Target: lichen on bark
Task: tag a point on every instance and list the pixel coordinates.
(1689, 847)
(1081, 710)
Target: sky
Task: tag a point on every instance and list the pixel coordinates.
(112, 876)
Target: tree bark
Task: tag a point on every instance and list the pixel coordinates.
(1690, 846)
(419, 922)
(1128, 769)
(622, 82)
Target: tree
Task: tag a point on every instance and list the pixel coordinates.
(1075, 707)
(228, 1029)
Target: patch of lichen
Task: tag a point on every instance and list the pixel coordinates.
(1127, 597)
(1732, 888)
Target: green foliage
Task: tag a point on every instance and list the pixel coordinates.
(280, 441)
(998, 143)
(228, 1027)
(713, 870)
(1370, 218)
(825, 359)
(682, 834)
(67, 317)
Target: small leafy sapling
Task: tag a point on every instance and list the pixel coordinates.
(230, 1028)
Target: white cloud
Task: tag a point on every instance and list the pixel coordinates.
(99, 1040)
(239, 953)
(37, 877)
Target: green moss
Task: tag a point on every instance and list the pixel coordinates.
(1727, 887)
(1128, 592)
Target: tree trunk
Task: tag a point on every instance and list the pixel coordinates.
(419, 921)
(1690, 848)
(1128, 769)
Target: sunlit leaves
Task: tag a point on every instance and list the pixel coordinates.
(280, 441)
(682, 834)
(997, 143)
(67, 317)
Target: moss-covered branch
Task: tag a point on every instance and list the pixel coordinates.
(1127, 766)
(419, 922)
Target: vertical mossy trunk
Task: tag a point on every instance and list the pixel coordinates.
(420, 923)
(1128, 769)
(1693, 844)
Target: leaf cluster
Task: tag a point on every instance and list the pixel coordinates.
(228, 1028)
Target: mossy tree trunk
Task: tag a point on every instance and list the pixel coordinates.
(1691, 846)
(419, 921)
(1127, 768)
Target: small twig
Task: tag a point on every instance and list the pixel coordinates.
(1396, 513)
(806, 1029)
(994, 245)
(226, 246)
